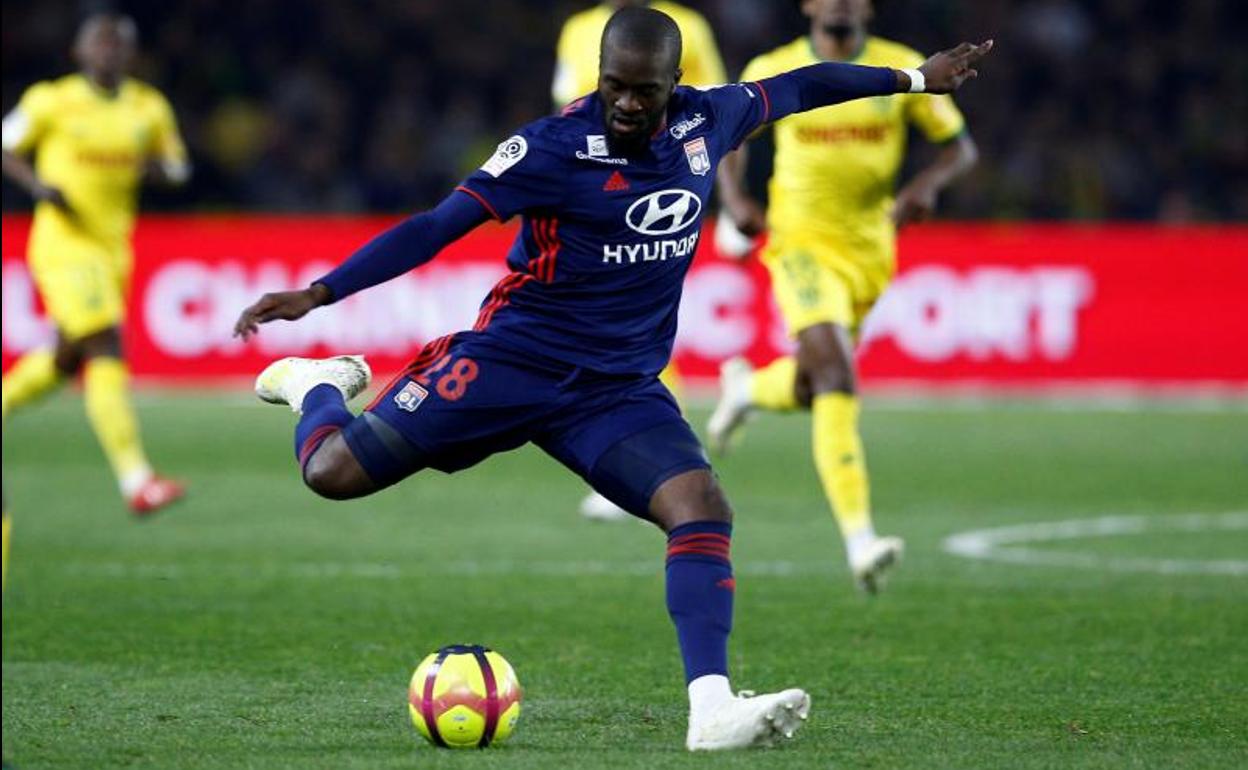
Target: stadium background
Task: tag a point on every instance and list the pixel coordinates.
(1107, 112)
(1110, 110)
(1094, 113)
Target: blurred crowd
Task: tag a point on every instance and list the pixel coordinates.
(1113, 109)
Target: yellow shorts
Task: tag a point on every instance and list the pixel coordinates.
(83, 283)
(816, 281)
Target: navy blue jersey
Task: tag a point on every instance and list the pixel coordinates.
(605, 240)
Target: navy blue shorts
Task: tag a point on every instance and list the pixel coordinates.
(466, 397)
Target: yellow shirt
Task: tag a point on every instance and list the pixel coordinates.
(576, 68)
(93, 146)
(836, 167)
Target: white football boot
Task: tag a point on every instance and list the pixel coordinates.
(870, 561)
(748, 720)
(598, 508)
(734, 404)
(287, 381)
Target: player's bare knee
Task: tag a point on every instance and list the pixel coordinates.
(834, 377)
(333, 472)
(102, 344)
(825, 360)
(689, 497)
(67, 358)
(803, 391)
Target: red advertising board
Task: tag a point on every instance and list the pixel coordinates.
(990, 304)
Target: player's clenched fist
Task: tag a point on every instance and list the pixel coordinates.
(283, 305)
(946, 71)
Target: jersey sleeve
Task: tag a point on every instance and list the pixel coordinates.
(935, 116)
(739, 109)
(167, 146)
(27, 123)
(523, 174)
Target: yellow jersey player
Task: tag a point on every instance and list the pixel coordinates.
(831, 249)
(576, 74)
(95, 135)
(576, 66)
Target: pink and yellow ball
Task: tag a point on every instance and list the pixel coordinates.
(464, 696)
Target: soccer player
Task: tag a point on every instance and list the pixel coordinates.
(576, 74)
(567, 348)
(95, 136)
(831, 252)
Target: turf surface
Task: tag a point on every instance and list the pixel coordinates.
(256, 626)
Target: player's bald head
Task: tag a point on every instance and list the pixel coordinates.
(638, 69)
(643, 31)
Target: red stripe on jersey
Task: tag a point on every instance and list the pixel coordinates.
(430, 353)
(545, 233)
(481, 200)
(499, 297)
(766, 103)
(572, 106)
(539, 238)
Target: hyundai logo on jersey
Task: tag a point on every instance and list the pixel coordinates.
(664, 212)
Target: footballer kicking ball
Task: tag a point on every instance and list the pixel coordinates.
(464, 696)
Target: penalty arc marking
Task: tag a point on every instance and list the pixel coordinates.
(1009, 544)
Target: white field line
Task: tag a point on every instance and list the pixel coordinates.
(1006, 544)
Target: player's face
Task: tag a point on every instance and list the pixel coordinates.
(634, 87)
(838, 16)
(105, 48)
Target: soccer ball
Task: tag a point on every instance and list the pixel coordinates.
(464, 696)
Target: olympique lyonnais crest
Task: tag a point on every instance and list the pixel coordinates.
(410, 397)
(699, 159)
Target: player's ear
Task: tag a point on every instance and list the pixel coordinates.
(676, 78)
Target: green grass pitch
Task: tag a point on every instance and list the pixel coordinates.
(256, 626)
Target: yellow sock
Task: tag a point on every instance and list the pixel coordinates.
(34, 375)
(773, 386)
(8, 528)
(840, 462)
(112, 416)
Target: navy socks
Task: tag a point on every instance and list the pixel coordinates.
(324, 412)
(699, 594)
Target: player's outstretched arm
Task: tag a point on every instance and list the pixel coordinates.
(407, 245)
(827, 83)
